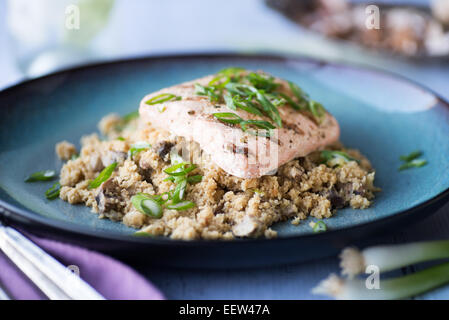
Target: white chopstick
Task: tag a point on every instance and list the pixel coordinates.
(51, 277)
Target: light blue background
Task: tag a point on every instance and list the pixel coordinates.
(140, 27)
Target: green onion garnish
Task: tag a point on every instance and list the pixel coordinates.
(387, 258)
(209, 91)
(137, 147)
(194, 179)
(163, 97)
(412, 156)
(184, 205)
(142, 234)
(228, 117)
(53, 192)
(319, 226)
(317, 110)
(121, 138)
(395, 288)
(147, 205)
(416, 163)
(336, 158)
(103, 176)
(44, 175)
(258, 123)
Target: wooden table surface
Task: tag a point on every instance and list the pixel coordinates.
(262, 30)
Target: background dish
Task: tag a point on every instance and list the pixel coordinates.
(381, 115)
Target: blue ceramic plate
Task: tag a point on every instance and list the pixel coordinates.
(379, 114)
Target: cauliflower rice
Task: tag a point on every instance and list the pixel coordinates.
(226, 206)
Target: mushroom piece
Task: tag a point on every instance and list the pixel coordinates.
(107, 197)
(113, 156)
(246, 228)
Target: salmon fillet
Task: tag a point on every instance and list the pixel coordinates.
(237, 152)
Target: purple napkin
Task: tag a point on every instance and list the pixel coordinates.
(113, 279)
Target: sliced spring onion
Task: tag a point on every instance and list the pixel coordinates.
(336, 158)
(176, 170)
(147, 205)
(130, 116)
(262, 81)
(179, 192)
(103, 176)
(293, 104)
(298, 92)
(44, 175)
(396, 288)
(416, 163)
(53, 192)
(269, 108)
(412, 156)
(209, 91)
(121, 138)
(319, 226)
(184, 205)
(219, 81)
(391, 257)
(229, 100)
(231, 71)
(317, 110)
(258, 123)
(138, 147)
(228, 117)
(194, 179)
(247, 105)
(163, 97)
(142, 234)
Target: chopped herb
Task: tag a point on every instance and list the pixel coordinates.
(336, 158)
(317, 110)
(163, 97)
(147, 205)
(228, 117)
(161, 108)
(142, 234)
(130, 116)
(416, 163)
(194, 179)
(137, 147)
(319, 226)
(210, 91)
(259, 192)
(184, 205)
(412, 156)
(53, 192)
(258, 123)
(103, 176)
(121, 138)
(44, 175)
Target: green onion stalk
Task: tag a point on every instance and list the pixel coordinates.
(390, 289)
(391, 257)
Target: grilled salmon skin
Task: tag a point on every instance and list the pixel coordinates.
(199, 111)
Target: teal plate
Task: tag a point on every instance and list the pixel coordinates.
(382, 115)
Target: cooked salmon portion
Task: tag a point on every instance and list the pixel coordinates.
(240, 153)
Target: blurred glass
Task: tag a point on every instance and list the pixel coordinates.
(50, 34)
